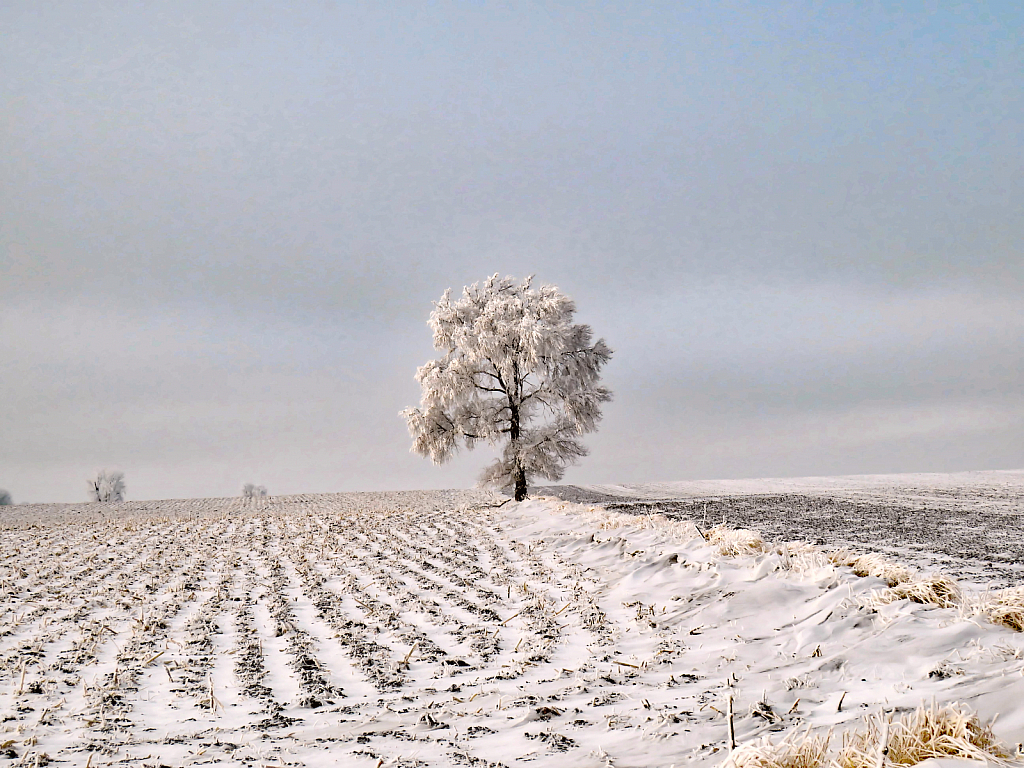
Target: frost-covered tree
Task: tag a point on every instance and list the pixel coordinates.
(516, 372)
(250, 491)
(5, 498)
(108, 485)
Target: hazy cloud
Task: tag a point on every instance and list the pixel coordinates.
(222, 225)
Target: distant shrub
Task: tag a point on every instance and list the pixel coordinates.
(108, 485)
(250, 491)
(5, 498)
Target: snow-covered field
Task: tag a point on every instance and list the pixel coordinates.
(966, 523)
(437, 629)
(992, 489)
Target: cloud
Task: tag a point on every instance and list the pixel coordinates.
(221, 231)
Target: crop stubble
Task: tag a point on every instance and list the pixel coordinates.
(222, 628)
(366, 629)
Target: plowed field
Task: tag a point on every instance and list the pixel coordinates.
(434, 629)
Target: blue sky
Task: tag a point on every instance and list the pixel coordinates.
(222, 226)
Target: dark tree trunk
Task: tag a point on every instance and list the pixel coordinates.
(520, 478)
(518, 474)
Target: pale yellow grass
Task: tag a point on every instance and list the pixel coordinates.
(736, 541)
(1005, 607)
(936, 590)
(801, 557)
(872, 564)
(947, 732)
(796, 750)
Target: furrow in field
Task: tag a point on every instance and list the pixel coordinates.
(351, 688)
(419, 625)
(359, 620)
(270, 631)
(316, 689)
(250, 667)
(36, 649)
(107, 715)
(29, 600)
(97, 675)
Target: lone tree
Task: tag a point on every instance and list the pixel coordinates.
(515, 370)
(251, 491)
(5, 498)
(108, 485)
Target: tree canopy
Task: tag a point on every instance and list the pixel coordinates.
(516, 372)
(108, 485)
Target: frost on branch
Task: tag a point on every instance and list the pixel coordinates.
(517, 372)
(108, 485)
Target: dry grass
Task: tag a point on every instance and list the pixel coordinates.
(936, 590)
(1005, 608)
(797, 750)
(798, 548)
(930, 732)
(947, 732)
(801, 557)
(872, 564)
(736, 541)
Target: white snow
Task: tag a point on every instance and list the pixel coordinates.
(540, 633)
(993, 489)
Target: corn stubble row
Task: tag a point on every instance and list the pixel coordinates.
(230, 616)
(194, 614)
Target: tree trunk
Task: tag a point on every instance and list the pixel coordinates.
(520, 478)
(518, 474)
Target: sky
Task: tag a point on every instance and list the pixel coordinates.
(223, 224)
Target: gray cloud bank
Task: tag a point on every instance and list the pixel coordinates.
(222, 225)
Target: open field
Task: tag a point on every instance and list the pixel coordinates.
(438, 628)
(968, 524)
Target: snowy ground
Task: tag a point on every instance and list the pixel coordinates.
(436, 629)
(968, 524)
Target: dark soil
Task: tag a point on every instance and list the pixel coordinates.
(968, 540)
